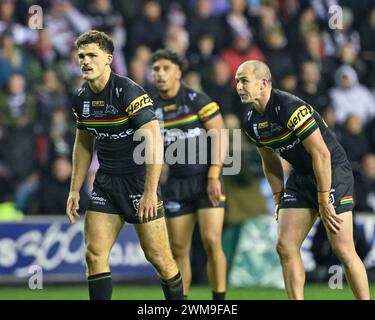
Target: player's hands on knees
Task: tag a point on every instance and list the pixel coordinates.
(329, 217)
(214, 191)
(147, 209)
(72, 206)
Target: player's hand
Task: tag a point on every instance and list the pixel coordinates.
(147, 207)
(329, 217)
(214, 191)
(72, 206)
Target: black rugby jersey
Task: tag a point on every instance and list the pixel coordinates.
(286, 122)
(112, 116)
(181, 121)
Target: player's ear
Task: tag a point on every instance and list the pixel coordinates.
(109, 59)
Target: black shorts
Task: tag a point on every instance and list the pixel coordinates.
(184, 195)
(301, 190)
(120, 194)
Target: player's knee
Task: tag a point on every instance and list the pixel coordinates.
(211, 244)
(285, 249)
(94, 257)
(343, 252)
(180, 250)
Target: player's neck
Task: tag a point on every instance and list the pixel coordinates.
(261, 104)
(99, 83)
(171, 93)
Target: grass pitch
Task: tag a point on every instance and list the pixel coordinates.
(154, 292)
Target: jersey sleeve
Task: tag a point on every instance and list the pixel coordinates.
(206, 109)
(79, 125)
(138, 106)
(299, 118)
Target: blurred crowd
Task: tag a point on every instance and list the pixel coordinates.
(333, 69)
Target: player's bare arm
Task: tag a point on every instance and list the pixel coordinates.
(82, 155)
(321, 159)
(219, 145)
(274, 174)
(154, 162)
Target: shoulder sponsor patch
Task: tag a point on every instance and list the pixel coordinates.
(299, 117)
(138, 103)
(263, 125)
(208, 110)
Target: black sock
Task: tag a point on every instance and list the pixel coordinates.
(100, 286)
(172, 288)
(218, 295)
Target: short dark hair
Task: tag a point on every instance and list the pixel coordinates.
(171, 56)
(100, 38)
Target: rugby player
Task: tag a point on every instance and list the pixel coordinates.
(321, 183)
(109, 109)
(194, 191)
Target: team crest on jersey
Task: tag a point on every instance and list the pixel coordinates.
(192, 96)
(86, 109)
(110, 109)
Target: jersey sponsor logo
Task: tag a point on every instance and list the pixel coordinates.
(138, 103)
(106, 135)
(172, 206)
(110, 109)
(98, 103)
(98, 200)
(208, 110)
(299, 117)
(288, 147)
(86, 109)
(170, 107)
(263, 125)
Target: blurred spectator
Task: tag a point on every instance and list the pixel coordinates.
(370, 132)
(104, 18)
(64, 23)
(350, 97)
(50, 95)
(364, 185)
(242, 49)
(193, 80)
(203, 22)
(354, 140)
(275, 52)
(20, 33)
(204, 58)
(149, 29)
(348, 56)
(8, 211)
(12, 59)
(219, 87)
(368, 46)
(288, 82)
(54, 189)
(310, 87)
(177, 40)
(17, 104)
(176, 15)
(138, 70)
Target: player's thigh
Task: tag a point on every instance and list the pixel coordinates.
(343, 240)
(180, 231)
(153, 237)
(101, 231)
(294, 225)
(211, 222)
